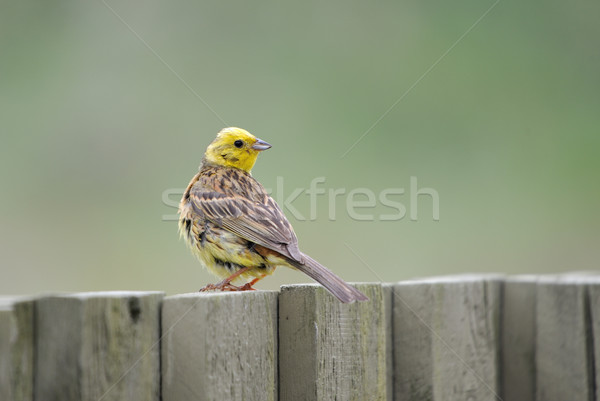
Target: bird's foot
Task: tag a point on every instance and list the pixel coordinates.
(218, 287)
(227, 286)
(247, 287)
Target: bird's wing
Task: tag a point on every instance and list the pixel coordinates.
(258, 222)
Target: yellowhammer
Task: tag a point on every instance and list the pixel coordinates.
(235, 228)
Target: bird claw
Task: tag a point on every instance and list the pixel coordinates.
(227, 286)
(247, 287)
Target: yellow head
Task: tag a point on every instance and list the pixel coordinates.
(235, 147)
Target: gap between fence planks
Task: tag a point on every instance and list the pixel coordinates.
(468, 337)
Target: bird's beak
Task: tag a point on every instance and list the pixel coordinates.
(260, 145)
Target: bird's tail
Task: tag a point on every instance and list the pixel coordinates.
(338, 287)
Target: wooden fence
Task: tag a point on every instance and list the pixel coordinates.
(470, 337)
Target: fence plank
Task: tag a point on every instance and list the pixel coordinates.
(446, 333)
(518, 338)
(413, 339)
(220, 346)
(16, 349)
(562, 360)
(466, 354)
(388, 303)
(98, 346)
(330, 350)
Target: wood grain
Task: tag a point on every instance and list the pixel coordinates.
(330, 350)
(98, 346)
(220, 346)
(446, 338)
(413, 341)
(564, 339)
(518, 338)
(16, 349)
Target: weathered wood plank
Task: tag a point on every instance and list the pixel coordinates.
(16, 349)
(98, 346)
(388, 302)
(413, 307)
(562, 349)
(330, 350)
(518, 338)
(466, 353)
(220, 346)
(446, 338)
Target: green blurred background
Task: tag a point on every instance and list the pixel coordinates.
(95, 128)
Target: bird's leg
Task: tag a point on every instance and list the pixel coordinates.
(226, 285)
(248, 286)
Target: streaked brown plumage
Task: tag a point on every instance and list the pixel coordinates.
(235, 228)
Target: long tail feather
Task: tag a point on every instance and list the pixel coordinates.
(338, 287)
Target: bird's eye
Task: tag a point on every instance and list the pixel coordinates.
(239, 143)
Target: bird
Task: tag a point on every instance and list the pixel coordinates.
(235, 229)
